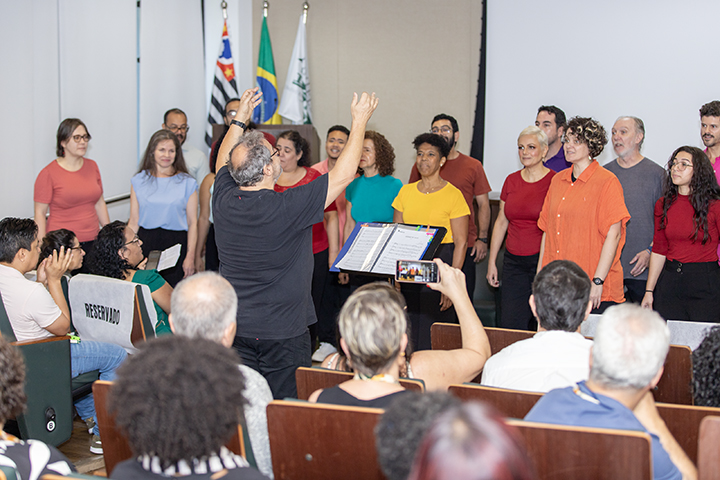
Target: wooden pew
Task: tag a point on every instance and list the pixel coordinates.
(708, 459)
(684, 422)
(115, 445)
(309, 379)
(674, 386)
(510, 403)
(320, 441)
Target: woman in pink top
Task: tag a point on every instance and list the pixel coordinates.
(71, 188)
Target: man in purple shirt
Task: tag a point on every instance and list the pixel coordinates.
(710, 132)
(551, 120)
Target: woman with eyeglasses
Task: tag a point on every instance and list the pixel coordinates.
(57, 239)
(684, 274)
(584, 215)
(164, 204)
(117, 253)
(70, 187)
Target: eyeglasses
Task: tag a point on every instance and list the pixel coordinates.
(80, 138)
(275, 152)
(231, 113)
(680, 165)
(178, 128)
(443, 129)
(79, 247)
(135, 239)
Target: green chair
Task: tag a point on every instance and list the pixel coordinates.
(8, 473)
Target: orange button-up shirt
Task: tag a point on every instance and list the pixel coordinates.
(576, 217)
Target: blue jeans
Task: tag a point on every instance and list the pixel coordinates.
(88, 356)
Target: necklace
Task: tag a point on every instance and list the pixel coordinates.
(432, 189)
(381, 377)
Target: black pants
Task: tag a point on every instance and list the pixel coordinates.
(688, 291)
(635, 290)
(325, 326)
(517, 279)
(469, 269)
(161, 239)
(276, 360)
(212, 262)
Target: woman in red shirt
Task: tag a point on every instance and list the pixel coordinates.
(294, 153)
(684, 275)
(521, 200)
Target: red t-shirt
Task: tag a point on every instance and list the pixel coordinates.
(72, 197)
(523, 202)
(676, 242)
(467, 175)
(320, 238)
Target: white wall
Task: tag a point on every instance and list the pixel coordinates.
(654, 60)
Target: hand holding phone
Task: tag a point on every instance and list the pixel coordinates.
(416, 271)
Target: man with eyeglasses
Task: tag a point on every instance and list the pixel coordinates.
(467, 175)
(642, 181)
(196, 162)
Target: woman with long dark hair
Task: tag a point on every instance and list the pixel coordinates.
(164, 203)
(684, 275)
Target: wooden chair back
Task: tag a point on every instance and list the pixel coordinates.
(510, 403)
(568, 453)
(684, 422)
(116, 448)
(708, 461)
(309, 379)
(320, 441)
(447, 336)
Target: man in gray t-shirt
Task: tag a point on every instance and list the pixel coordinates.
(642, 182)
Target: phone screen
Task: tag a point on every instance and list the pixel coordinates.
(416, 271)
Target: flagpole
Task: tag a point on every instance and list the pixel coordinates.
(306, 7)
(223, 5)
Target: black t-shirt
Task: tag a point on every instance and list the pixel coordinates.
(132, 470)
(264, 241)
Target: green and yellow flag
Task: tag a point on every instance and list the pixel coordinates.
(266, 112)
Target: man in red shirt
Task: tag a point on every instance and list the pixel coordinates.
(710, 132)
(467, 175)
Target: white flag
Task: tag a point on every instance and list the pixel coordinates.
(295, 102)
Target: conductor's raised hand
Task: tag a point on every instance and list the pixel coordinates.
(250, 99)
(362, 108)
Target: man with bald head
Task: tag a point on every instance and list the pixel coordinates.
(642, 182)
(264, 241)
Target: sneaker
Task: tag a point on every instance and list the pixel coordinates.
(96, 445)
(90, 425)
(323, 351)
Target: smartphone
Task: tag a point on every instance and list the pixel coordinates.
(417, 271)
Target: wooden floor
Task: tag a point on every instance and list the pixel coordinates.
(77, 449)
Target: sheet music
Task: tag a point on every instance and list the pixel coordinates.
(366, 248)
(407, 243)
(169, 257)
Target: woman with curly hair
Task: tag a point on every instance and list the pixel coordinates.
(584, 215)
(684, 274)
(164, 203)
(179, 401)
(706, 370)
(294, 153)
(117, 253)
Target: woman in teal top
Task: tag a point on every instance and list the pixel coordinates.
(117, 253)
(370, 196)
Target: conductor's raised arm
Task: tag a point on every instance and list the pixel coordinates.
(248, 101)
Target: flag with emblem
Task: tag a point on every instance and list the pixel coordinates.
(224, 85)
(295, 104)
(266, 112)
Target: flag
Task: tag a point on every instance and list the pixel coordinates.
(266, 112)
(295, 104)
(224, 86)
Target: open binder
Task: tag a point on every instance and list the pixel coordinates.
(373, 248)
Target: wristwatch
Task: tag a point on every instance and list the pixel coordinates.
(598, 281)
(483, 239)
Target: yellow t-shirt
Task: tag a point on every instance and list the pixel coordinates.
(435, 209)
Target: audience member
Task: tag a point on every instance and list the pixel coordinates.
(551, 120)
(627, 360)
(557, 356)
(584, 215)
(118, 254)
(32, 458)
(642, 183)
(164, 204)
(294, 153)
(179, 401)
(196, 161)
(432, 201)
(521, 200)
(205, 306)
(62, 238)
(685, 245)
(706, 370)
(710, 133)
(467, 175)
(471, 442)
(400, 429)
(71, 188)
(38, 310)
(438, 369)
(265, 242)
